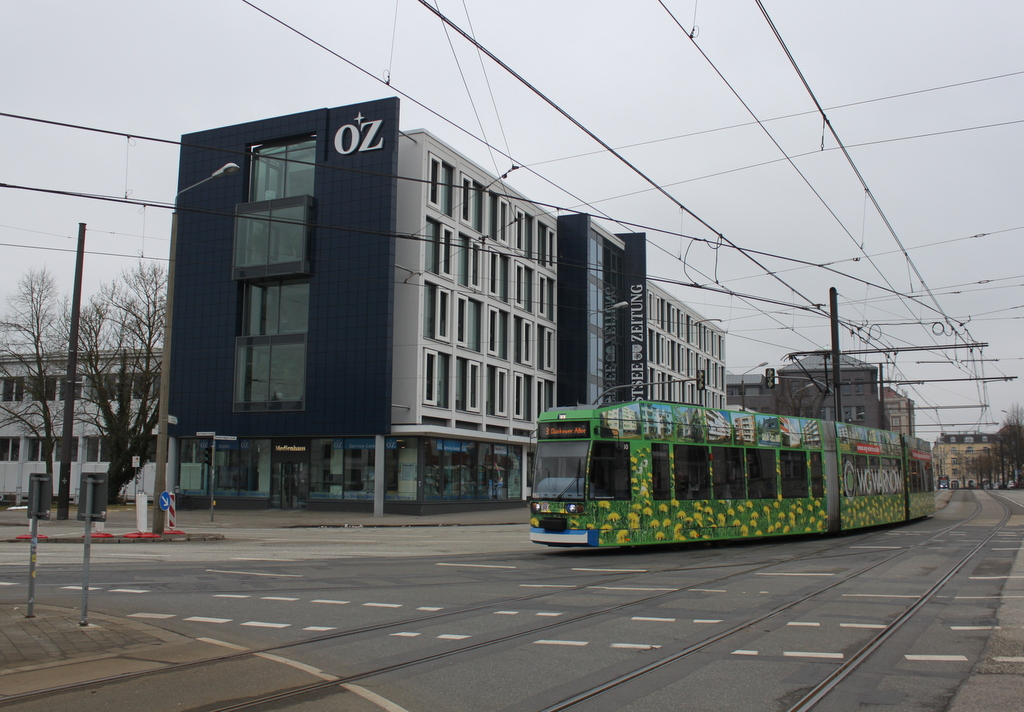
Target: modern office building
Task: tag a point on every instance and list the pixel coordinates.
(372, 317)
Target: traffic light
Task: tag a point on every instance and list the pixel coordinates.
(206, 455)
(701, 383)
(769, 378)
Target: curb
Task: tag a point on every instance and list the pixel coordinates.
(117, 539)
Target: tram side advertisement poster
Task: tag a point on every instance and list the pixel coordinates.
(689, 424)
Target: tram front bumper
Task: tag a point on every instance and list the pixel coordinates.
(568, 537)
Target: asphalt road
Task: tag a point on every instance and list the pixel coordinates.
(477, 618)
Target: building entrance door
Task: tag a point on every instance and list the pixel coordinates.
(289, 485)
(289, 475)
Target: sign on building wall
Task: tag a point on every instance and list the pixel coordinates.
(635, 268)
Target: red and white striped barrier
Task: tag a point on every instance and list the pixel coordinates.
(171, 513)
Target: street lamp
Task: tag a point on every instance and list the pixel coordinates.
(160, 478)
(743, 386)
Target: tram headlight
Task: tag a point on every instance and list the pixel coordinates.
(574, 508)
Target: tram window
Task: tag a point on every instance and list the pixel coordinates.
(660, 471)
(727, 473)
(889, 479)
(817, 480)
(761, 474)
(915, 477)
(691, 472)
(609, 471)
(794, 473)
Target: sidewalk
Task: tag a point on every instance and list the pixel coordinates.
(198, 526)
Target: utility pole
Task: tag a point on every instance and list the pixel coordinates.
(833, 296)
(64, 480)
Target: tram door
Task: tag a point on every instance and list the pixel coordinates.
(289, 475)
(833, 476)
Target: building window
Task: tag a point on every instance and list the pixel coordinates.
(442, 175)
(524, 287)
(468, 261)
(436, 310)
(282, 170)
(271, 231)
(96, 449)
(437, 253)
(467, 323)
(545, 244)
(435, 379)
(270, 356)
(522, 395)
(10, 449)
(280, 307)
(12, 389)
(497, 333)
(499, 218)
(272, 237)
(270, 373)
(462, 260)
(499, 276)
(472, 203)
(524, 233)
(497, 390)
(467, 385)
(545, 395)
(36, 453)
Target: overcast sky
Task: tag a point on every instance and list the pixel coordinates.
(762, 211)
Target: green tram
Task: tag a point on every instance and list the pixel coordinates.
(654, 473)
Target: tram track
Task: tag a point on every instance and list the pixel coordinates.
(830, 683)
(363, 675)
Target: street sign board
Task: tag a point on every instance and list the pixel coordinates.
(225, 437)
(172, 419)
(205, 434)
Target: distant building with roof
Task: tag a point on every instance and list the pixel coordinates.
(804, 389)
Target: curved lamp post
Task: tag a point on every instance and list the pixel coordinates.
(160, 478)
(743, 386)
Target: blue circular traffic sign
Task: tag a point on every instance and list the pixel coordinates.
(165, 501)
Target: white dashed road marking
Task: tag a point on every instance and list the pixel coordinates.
(252, 573)
(262, 624)
(938, 658)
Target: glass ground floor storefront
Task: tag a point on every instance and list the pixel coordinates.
(340, 473)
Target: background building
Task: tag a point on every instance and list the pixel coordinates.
(804, 389)
(966, 460)
(376, 319)
(899, 411)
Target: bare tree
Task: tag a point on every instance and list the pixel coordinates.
(799, 397)
(33, 347)
(1011, 438)
(121, 339)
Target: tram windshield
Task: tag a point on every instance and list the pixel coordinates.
(561, 469)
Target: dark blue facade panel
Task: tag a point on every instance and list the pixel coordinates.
(349, 339)
(573, 285)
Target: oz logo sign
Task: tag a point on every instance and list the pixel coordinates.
(361, 135)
